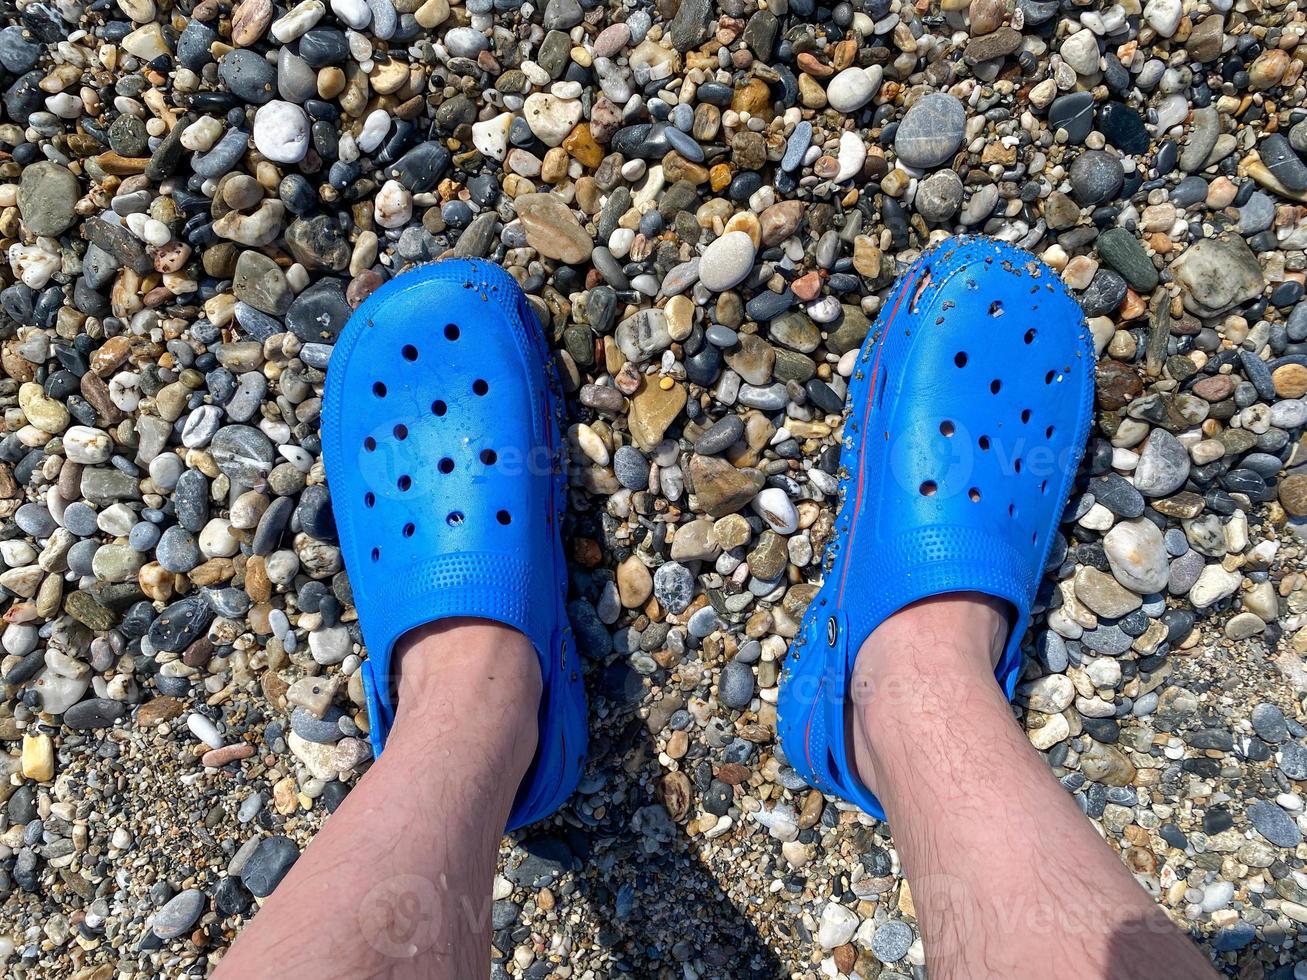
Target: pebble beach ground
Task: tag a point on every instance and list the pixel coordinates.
(706, 202)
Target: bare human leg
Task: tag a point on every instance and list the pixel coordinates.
(1007, 875)
(397, 883)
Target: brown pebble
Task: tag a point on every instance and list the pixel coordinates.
(807, 287)
(814, 66)
(1290, 380)
(216, 758)
(1293, 494)
(587, 553)
(1118, 385)
(846, 957)
(810, 812)
(732, 773)
(116, 163)
(1214, 388)
(675, 793)
(161, 709)
(362, 286)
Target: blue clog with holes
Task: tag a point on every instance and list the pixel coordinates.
(969, 408)
(444, 456)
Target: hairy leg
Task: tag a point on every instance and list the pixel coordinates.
(1005, 870)
(397, 884)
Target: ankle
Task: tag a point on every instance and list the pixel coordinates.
(941, 632)
(472, 676)
(471, 649)
(915, 671)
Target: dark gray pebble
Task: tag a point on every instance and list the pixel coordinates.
(269, 864)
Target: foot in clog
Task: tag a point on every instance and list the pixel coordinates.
(969, 408)
(442, 447)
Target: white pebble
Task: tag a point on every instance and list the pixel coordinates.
(281, 131)
(205, 730)
(727, 261)
(297, 20)
(836, 926)
(374, 130)
(33, 264)
(354, 13)
(490, 137)
(85, 445)
(393, 206)
(775, 507)
(852, 155)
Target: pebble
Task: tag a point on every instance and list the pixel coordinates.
(1218, 274)
(727, 261)
(837, 926)
(47, 193)
(1096, 176)
(853, 88)
(931, 131)
(268, 864)
(181, 912)
(737, 685)
(281, 131)
(1163, 465)
(1074, 113)
(892, 941)
(1137, 555)
(1163, 16)
(673, 586)
(1274, 824)
(1269, 723)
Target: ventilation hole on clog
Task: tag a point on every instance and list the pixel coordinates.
(379, 389)
(480, 387)
(946, 428)
(1048, 378)
(995, 386)
(983, 442)
(880, 389)
(404, 483)
(1011, 510)
(996, 308)
(451, 331)
(410, 352)
(409, 529)
(376, 554)
(369, 499)
(446, 465)
(1048, 433)
(974, 494)
(488, 456)
(1043, 487)
(928, 488)
(504, 517)
(1016, 464)
(438, 407)
(370, 444)
(401, 432)
(1034, 536)
(454, 518)
(1030, 335)
(960, 358)
(1025, 415)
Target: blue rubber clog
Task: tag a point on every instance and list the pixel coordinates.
(970, 406)
(444, 454)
